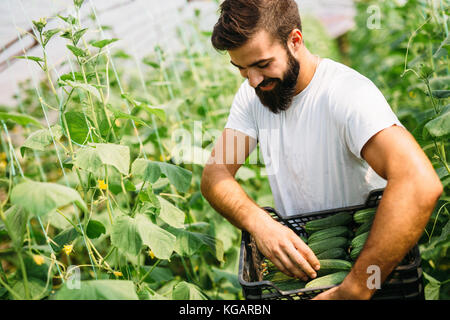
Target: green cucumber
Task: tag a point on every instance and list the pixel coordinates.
(338, 219)
(328, 280)
(359, 240)
(363, 228)
(323, 245)
(333, 253)
(328, 233)
(364, 215)
(355, 252)
(328, 266)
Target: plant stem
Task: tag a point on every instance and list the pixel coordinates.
(150, 271)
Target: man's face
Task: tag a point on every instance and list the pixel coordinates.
(270, 68)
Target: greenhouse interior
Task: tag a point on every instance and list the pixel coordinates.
(110, 111)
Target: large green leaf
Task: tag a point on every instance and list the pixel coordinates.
(179, 177)
(146, 170)
(151, 170)
(93, 156)
(78, 126)
(125, 235)
(39, 198)
(160, 241)
(115, 155)
(98, 290)
(36, 288)
(440, 126)
(16, 220)
(88, 159)
(188, 243)
(95, 229)
(20, 118)
(187, 291)
(40, 139)
(171, 214)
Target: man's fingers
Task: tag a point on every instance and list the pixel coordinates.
(281, 267)
(300, 262)
(307, 253)
(291, 267)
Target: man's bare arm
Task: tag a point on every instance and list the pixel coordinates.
(277, 242)
(410, 196)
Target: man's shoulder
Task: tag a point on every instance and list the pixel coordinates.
(344, 77)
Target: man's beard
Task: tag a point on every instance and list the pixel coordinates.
(280, 97)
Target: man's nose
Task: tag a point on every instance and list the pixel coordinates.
(254, 78)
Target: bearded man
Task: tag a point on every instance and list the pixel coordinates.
(327, 136)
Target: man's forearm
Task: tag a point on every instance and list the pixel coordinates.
(399, 222)
(228, 198)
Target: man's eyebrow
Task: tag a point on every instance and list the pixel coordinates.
(253, 64)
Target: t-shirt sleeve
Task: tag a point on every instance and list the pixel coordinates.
(363, 112)
(241, 114)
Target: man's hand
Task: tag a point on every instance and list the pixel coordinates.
(285, 249)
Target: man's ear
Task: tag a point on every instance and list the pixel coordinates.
(295, 39)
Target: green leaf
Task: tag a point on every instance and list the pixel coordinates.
(20, 118)
(123, 115)
(160, 113)
(146, 170)
(47, 35)
(63, 238)
(32, 58)
(36, 288)
(160, 241)
(95, 229)
(86, 87)
(189, 243)
(39, 198)
(77, 35)
(98, 290)
(432, 291)
(171, 214)
(77, 51)
(125, 235)
(88, 159)
(103, 43)
(76, 76)
(114, 155)
(16, 220)
(78, 127)
(179, 177)
(441, 94)
(441, 51)
(187, 291)
(40, 139)
(129, 234)
(439, 126)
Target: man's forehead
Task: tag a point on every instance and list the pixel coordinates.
(260, 47)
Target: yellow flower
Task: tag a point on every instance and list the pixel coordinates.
(102, 185)
(118, 273)
(38, 259)
(196, 268)
(117, 122)
(412, 94)
(2, 164)
(68, 248)
(151, 254)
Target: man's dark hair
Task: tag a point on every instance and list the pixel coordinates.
(240, 19)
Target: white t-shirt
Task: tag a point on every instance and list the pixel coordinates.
(312, 151)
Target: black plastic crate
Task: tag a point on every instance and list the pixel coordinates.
(405, 281)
